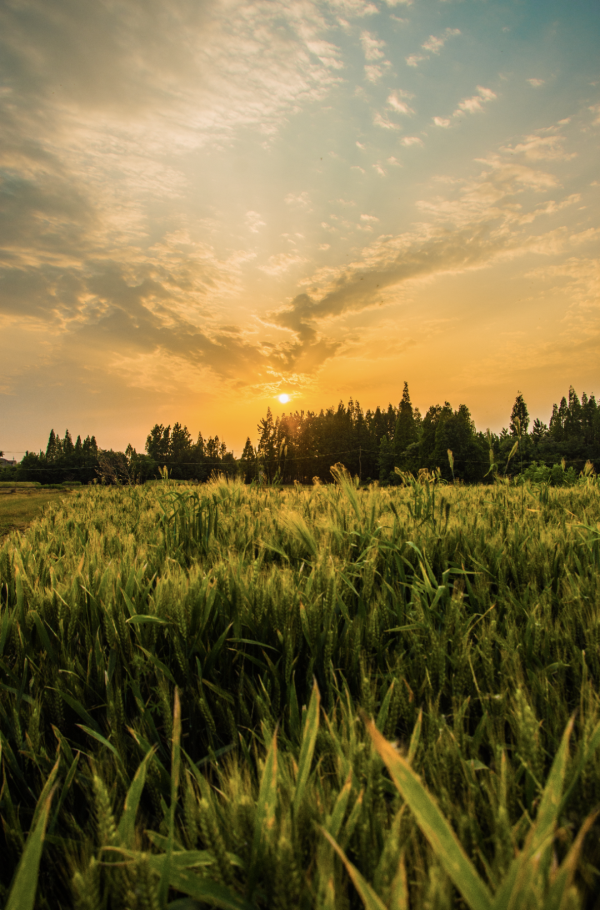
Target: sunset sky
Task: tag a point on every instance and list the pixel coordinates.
(206, 203)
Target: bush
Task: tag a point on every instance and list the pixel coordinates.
(19, 483)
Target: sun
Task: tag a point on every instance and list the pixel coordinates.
(283, 398)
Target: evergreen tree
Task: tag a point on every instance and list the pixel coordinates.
(180, 452)
(267, 445)
(405, 432)
(248, 463)
(520, 414)
(572, 427)
(158, 443)
(539, 431)
(557, 421)
(51, 448)
(68, 447)
(386, 460)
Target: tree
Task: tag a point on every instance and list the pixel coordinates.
(557, 421)
(158, 443)
(267, 445)
(519, 418)
(248, 463)
(405, 433)
(539, 431)
(386, 460)
(572, 427)
(52, 450)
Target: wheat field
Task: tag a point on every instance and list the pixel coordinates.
(331, 697)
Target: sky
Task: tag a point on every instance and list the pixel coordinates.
(205, 204)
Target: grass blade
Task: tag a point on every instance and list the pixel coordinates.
(399, 887)
(101, 739)
(432, 823)
(264, 818)
(24, 887)
(165, 879)
(126, 827)
(367, 894)
(309, 737)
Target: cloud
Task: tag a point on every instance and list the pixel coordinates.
(359, 8)
(372, 46)
(328, 53)
(475, 104)
(401, 107)
(441, 121)
(298, 199)
(368, 218)
(539, 148)
(384, 123)
(536, 83)
(435, 44)
(478, 222)
(595, 109)
(324, 246)
(373, 73)
(254, 222)
(280, 263)
(411, 140)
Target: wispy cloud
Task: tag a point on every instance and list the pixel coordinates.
(432, 45)
(475, 224)
(373, 73)
(298, 199)
(435, 43)
(536, 83)
(372, 46)
(401, 107)
(441, 121)
(474, 105)
(539, 148)
(254, 222)
(411, 140)
(280, 263)
(385, 123)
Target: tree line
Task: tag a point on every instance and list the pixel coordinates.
(302, 446)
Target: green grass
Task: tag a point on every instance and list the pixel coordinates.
(205, 681)
(19, 508)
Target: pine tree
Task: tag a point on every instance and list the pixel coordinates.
(386, 460)
(557, 421)
(51, 452)
(519, 418)
(267, 445)
(248, 463)
(572, 426)
(539, 431)
(158, 443)
(405, 433)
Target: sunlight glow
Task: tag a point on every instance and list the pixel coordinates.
(283, 398)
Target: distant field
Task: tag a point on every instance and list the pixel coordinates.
(199, 687)
(19, 508)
